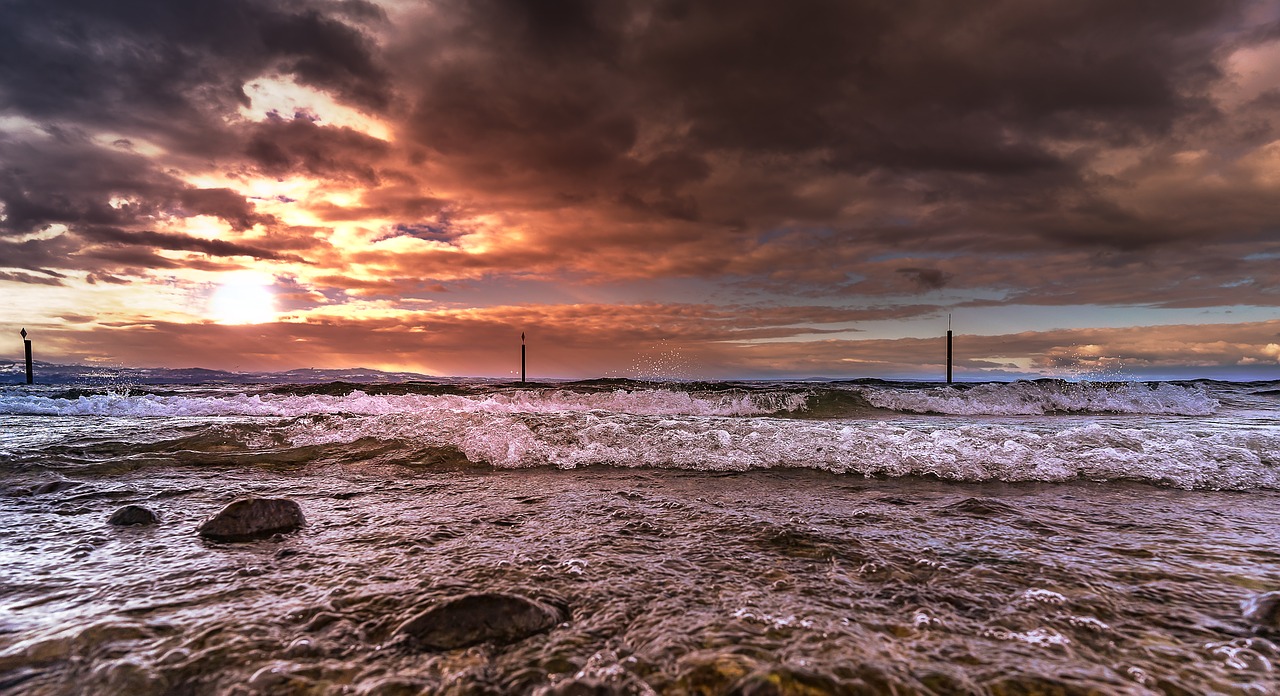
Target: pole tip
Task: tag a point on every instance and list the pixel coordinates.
(23, 332)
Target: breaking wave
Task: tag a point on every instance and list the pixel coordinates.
(1048, 397)
(1222, 460)
(994, 399)
(1032, 431)
(643, 402)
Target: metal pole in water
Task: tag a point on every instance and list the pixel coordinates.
(27, 342)
(948, 349)
(522, 357)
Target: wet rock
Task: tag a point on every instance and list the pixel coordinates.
(480, 618)
(253, 518)
(1263, 611)
(132, 514)
(785, 681)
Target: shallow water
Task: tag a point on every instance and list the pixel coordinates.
(698, 536)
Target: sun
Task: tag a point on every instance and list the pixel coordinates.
(243, 298)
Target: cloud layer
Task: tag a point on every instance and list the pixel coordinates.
(733, 178)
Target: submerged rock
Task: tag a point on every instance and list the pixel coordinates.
(253, 518)
(480, 618)
(1263, 611)
(132, 514)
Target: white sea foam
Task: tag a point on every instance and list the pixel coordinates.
(736, 430)
(1169, 456)
(1018, 398)
(1038, 398)
(642, 402)
(1040, 637)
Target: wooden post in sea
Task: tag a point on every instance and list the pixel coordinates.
(948, 349)
(522, 357)
(27, 342)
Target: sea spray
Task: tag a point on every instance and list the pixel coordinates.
(1165, 456)
(1018, 398)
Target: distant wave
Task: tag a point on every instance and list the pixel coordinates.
(1046, 397)
(643, 402)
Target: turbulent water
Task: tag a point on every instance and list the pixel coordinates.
(704, 538)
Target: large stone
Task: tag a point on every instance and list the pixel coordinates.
(132, 514)
(480, 618)
(253, 518)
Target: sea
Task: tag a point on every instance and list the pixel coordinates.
(818, 537)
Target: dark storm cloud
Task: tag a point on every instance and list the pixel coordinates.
(105, 196)
(171, 75)
(926, 278)
(29, 279)
(112, 236)
(787, 147)
(174, 67)
(222, 203)
(915, 86)
(281, 147)
(1052, 152)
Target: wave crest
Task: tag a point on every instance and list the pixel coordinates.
(1047, 397)
(1231, 460)
(639, 402)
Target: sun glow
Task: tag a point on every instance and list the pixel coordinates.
(243, 298)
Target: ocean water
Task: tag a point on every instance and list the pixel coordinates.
(858, 537)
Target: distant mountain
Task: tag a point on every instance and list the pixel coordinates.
(97, 375)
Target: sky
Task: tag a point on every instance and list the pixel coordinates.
(718, 189)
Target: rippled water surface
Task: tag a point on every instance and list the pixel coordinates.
(705, 539)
